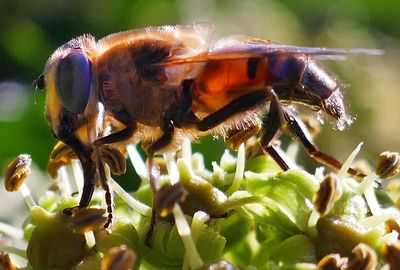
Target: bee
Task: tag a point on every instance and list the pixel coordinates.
(161, 84)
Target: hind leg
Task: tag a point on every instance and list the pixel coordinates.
(313, 151)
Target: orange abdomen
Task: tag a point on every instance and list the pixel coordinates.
(230, 75)
(223, 81)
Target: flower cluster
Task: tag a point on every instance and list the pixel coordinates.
(243, 214)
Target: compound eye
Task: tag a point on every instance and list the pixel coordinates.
(73, 80)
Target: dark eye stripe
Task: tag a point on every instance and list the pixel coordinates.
(73, 80)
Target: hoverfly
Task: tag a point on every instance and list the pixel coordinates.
(161, 84)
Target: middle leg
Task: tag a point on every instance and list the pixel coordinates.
(270, 126)
(118, 136)
(163, 141)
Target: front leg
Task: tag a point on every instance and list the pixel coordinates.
(89, 172)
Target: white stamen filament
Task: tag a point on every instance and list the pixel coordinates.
(197, 161)
(199, 219)
(64, 178)
(137, 161)
(90, 239)
(346, 165)
(78, 175)
(187, 150)
(185, 233)
(182, 225)
(312, 221)
(367, 182)
(376, 220)
(11, 231)
(173, 172)
(13, 250)
(27, 196)
(390, 238)
(136, 205)
(240, 164)
(372, 201)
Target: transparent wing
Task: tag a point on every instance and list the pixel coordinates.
(242, 48)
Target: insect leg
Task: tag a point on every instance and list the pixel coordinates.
(163, 141)
(118, 136)
(108, 194)
(89, 172)
(181, 111)
(270, 126)
(313, 151)
(241, 104)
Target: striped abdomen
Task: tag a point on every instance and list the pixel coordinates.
(293, 77)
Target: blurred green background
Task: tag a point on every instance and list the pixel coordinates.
(31, 30)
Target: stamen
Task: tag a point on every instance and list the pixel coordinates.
(333, 261)
(84, 220)
(187, 150)
(65, 180)
(346, 165)
(11, 231)
(199, 219)
(5, 262)
(377, 219)
(173, 171)
(13, 250)
(392, 255)
(78, 175)
(113, 157)
(372, 201)
(365, 258)
(90, 239)
(388, 165)
(120, 257)
(27, 195)
(137, 161)
(136, 205)
(185, 233)
(198, 162)
(15, 175)
(329, 192)
(240, 163)
(180, 220)
(167, 196)
(367, 183)
(390, 238)
(184, 169)
(312, 221)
